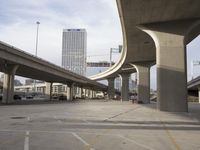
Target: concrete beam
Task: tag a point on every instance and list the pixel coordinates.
(8, 84)
(111, 88)
(125, 86)
(143, 83)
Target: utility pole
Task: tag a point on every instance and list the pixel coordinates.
(114, 50)
(36, 47)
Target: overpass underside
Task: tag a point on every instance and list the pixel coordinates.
(157, 32)
(17, 62)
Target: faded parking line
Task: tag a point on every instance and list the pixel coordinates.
(83, 141)
(26, 141)
(133, 141)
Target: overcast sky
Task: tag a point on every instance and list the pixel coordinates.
(99, 17)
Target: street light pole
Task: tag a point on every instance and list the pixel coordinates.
(110, 57)
(36, 47)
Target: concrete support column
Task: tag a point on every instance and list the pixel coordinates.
(171, 73)
(93, 94)
(78, 92)
(170, 40)
(82, 93)
(143, 83)
(199, 93)
(75, 90)
(48, 90)
(86, 93)
(125, 86)
(70, 91)
(8, 83)
(111, 88)
(90, 93)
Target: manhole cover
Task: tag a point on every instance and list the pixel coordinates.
(17, 117)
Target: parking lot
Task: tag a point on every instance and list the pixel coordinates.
(97, 125)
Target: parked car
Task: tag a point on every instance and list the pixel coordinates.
(62, 97)
(117, 97)
(100, 95)
(54, 97)
(29, 97)
(77, 96)
(17, 97)
(1, 97)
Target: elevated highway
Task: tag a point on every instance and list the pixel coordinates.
(194, 87)
(156, 32)
(194, 84)
(14, 61)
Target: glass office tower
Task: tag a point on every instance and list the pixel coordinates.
(74, 44)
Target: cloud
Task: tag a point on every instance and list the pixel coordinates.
(100, 19)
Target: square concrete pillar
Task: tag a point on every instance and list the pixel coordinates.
(90, 93)
(125, 86)
(8, 83)
(70, 91)
(82, 93)
(143, 83)
(86, 93)
(111, 88)
(171, 65)
(199, 93)
(48, 90)
(171, 73)
(93, 94)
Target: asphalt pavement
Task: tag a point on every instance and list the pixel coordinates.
(97, 125)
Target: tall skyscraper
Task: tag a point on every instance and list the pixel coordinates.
(74, 44)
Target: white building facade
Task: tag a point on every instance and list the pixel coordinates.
(74, 45)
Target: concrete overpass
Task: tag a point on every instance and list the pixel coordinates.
(194, 87)
(156, 32)
(14, 61)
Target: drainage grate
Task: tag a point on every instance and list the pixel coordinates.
(18, 117)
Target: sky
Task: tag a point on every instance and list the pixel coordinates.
(99, 17)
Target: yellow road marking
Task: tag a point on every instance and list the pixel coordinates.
(172, 139)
